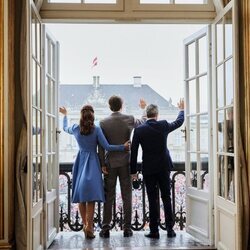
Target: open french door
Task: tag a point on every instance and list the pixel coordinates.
(51, 175)
(225, 112)
(199, 173)
(43, 169)
(211, 132)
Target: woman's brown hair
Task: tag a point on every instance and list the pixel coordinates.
(87, 120)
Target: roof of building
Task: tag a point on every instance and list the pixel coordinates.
(75, 96)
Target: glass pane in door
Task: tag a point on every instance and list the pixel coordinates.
(202, 54)
(221, 131)
(228, 35)
(192, 97)
(219, 41)
(193, 169)
(191, 60)
(38, 41)
(204, 133)
(231, 179)
(34, 84)
(193, 133)
(229, 82)
(203, 89)
(204, 172)
(39, 92)
(220, 86)
(221, 175)
(229, 130)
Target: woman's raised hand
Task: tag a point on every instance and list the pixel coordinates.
(63, 110)
(127, 145)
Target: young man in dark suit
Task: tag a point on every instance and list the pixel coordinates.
(156, 165)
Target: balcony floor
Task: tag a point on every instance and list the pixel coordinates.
(73, 240)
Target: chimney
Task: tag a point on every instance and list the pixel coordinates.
(96, 82)
(137, 81)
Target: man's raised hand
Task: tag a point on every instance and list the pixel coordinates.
(142, 104)
(180, 104)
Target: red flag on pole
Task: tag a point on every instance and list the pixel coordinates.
(94, 63)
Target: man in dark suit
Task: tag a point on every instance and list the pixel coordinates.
(117, 128)
(156, 165)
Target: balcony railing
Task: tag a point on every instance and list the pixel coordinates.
(71, 221)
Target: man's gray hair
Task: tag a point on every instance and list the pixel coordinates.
(152, 110)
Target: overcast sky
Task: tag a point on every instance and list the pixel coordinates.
(154, 52)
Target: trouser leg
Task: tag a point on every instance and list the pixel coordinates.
(126, 191)
(153, 200)
(164, 185)
(109, 189)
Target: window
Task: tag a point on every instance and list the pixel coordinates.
(80, 5)
(174, 5)
(84, 1)
(173, 1)
(108, 9)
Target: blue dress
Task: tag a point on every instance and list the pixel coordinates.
(87, 183)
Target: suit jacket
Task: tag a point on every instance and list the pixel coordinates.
(152, 136)
(117, 129)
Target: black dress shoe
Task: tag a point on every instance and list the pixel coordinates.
(127, 232)
(171, 233)
(104, 233)
(152, 235)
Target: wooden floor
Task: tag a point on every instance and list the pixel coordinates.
(72, 240)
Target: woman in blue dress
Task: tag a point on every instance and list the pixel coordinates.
(87, 183)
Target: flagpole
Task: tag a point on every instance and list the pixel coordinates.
(95, 77)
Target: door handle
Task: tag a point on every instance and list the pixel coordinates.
(58, 132)
(185, 133)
